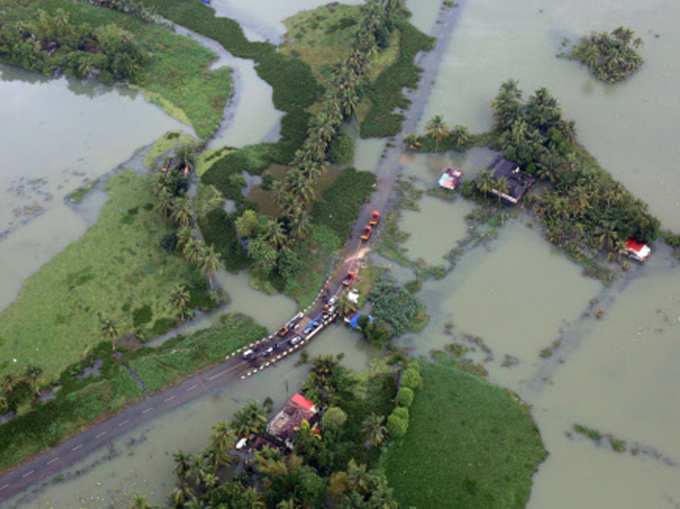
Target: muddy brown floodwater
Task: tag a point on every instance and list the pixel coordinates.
(618, 374)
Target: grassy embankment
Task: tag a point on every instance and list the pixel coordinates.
(177, 76)
(484, 456)
(80, 401)
(115, 270)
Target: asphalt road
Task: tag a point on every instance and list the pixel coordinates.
(49, 463)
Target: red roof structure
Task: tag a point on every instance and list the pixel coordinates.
(637, 250)
(305, 403)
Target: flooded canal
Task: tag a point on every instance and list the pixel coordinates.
(531, 307)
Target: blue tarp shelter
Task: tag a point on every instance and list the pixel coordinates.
(354, 321)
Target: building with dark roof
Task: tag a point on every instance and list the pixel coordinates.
(519, 182)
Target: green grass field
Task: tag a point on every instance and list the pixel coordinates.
(469, 444)
(177, 77)
(116, 268)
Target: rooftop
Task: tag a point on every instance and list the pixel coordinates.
(296, 410)
(519, 182)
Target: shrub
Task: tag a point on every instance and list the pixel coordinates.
(395, 305)
(405, 397)
(141, 315)
(333, 418)
(401, 412)
(341, 150)
(411, 378)
(396, 427)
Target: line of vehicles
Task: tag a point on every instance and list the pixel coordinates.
(301, 326)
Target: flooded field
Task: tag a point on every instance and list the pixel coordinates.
(617, 374)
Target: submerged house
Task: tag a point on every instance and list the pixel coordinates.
(519, 182)
(296, 410)
(450, 179)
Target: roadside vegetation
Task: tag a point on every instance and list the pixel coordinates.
(85, 41)
(610, 57)
(483, 457)
(114, 281)
(99, 384)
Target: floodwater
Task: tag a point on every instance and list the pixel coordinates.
(617, 374)
(63, 134)
(629, 126)
(141, 461)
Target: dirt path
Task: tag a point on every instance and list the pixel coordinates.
(50, 462)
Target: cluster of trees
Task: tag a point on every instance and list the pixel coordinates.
(438, 131)
(334, 461)
(52, 44)
(610, 57)
(396, 306)
(583, 207)
(18, 388)
(170, 187)
(343, 94)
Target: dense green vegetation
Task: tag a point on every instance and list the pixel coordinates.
(180, 356)
(386, 93)
(610, 57)
(116, 267)
(469, 444)
(335, 462)
(83, 40)
(80, 400)
(397, 306)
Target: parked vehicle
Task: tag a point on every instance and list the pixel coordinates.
(295, 340)
(268, 351)
(349, 278)
(366, 234)
(248, 354)
(283, 331)
(375, 218)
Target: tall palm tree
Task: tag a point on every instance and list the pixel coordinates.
(164, 202)
(180, 298)
(460, 136)
(374, 429)
(108, 329)
(502, 186)
(139, 502)
(210, 262)
(249, 419)
(184, 233)
(222, 443)
(299, 222)
(182, 213)
(274, 234)
(345, 306)
(182, 462)
(437, 129)
(485, 182)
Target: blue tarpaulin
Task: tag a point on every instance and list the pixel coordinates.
(354, 321)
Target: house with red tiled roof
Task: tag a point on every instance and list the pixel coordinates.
(296, 410)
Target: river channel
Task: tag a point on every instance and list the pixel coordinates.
(617, 374)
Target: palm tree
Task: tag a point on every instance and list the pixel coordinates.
(182, 213)
(193, 251)
(108, 329)
(184, 233)
(222, 443)
(12, 381)
(460, 136)
(180, 298)
(411, 141)
(274, 233)
(299, 222)
(249, 419)
(436, 128)
(485, 182)
(345, 306)
(3, 405)
(502, 186)
(287, 504)
(181, 494)
(374, 429)
(182, 462)
(139, 502)
(210, 262)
